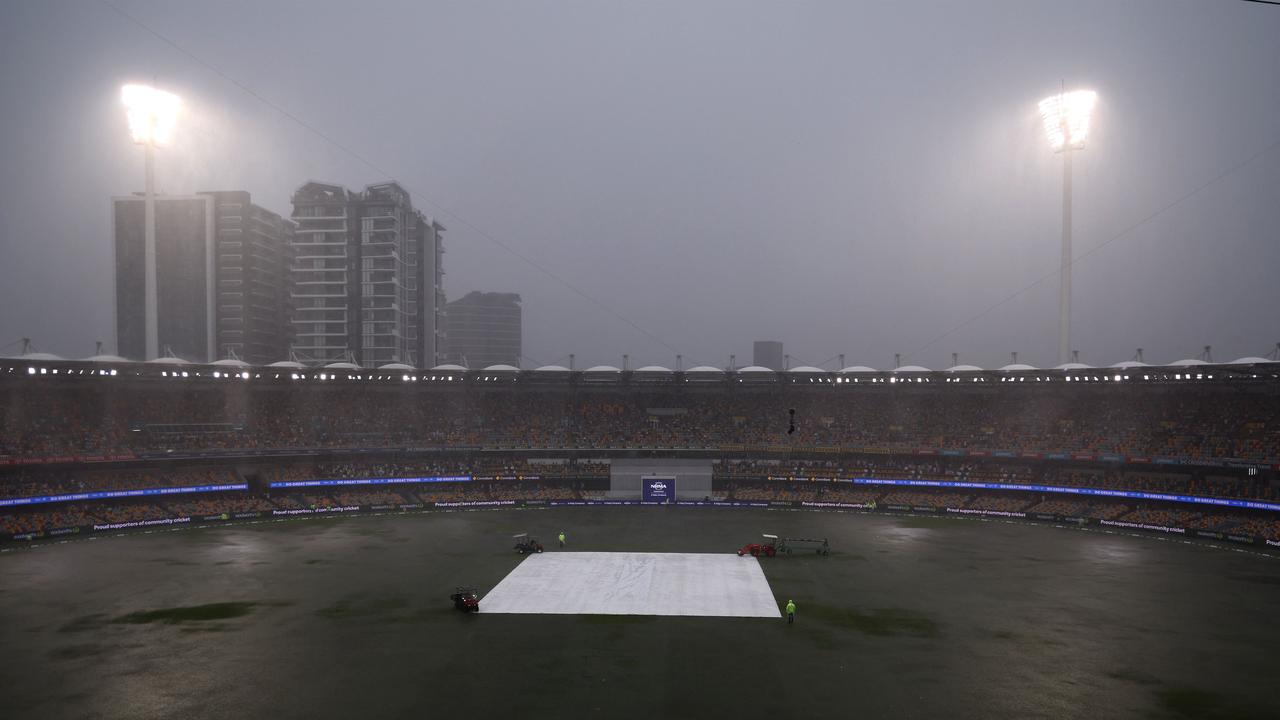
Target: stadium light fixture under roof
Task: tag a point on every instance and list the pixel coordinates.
(152, 114)
(1066, 118)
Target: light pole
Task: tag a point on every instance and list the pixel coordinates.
(151, 115)
(1066, 121)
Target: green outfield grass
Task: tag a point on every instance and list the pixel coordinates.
(908, 617)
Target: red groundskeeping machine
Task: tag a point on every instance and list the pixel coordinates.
(466, 599)
(774, 545)
(768, 548)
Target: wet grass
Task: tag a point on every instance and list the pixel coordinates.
(371, 530)
(612, 620)
(75, 652)
(1189, 702)
(821, 637)
(388, 610)
(219, 627)
(191, 613)
(1133, 675)
(422, 615)
(83, 623)
(355, 608)
(1259, 579)
(883, 622)
(928, 523)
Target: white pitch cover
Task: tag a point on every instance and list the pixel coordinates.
(604, 583)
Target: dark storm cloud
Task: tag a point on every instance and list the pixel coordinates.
(845, 177)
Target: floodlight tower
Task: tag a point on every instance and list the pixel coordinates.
(1066, 121)
(152, 114)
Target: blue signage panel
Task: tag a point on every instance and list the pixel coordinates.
(105, 494)
(658, 489)
(370, 481)
(1131, 494)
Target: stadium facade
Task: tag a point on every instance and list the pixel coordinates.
(105, 444)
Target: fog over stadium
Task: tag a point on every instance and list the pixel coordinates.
(866, 179)
(518, 360)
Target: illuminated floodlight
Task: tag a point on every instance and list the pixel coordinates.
(152, 114)
(1066, 118)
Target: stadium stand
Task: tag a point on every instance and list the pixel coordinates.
(531, 443)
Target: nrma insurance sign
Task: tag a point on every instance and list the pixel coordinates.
(658, 489)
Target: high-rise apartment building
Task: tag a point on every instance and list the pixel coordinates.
(484, 329)
(367, 277)
(254, 252)
(221, 285)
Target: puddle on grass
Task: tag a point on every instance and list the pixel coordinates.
(191, 613)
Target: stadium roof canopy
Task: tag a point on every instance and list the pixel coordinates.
(396, 366)
(858, 370)
(1018, 367)
(807, 370)
(38, 356)
(602, 369)
(653, 369)
(1189, 362)
(170, 360)
(492, 368)
(106, 359)
(1251, 360)
(343, 366)
(1129, 364)
(551, 369)
(912, 369)
(704, 369)
(754, 369)
(1073, 366)
(230, 362)
(451, 366)
(292, 364)
(964, 368)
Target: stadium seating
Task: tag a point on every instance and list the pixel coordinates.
(56, 438)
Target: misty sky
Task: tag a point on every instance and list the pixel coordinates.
(845, 177)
